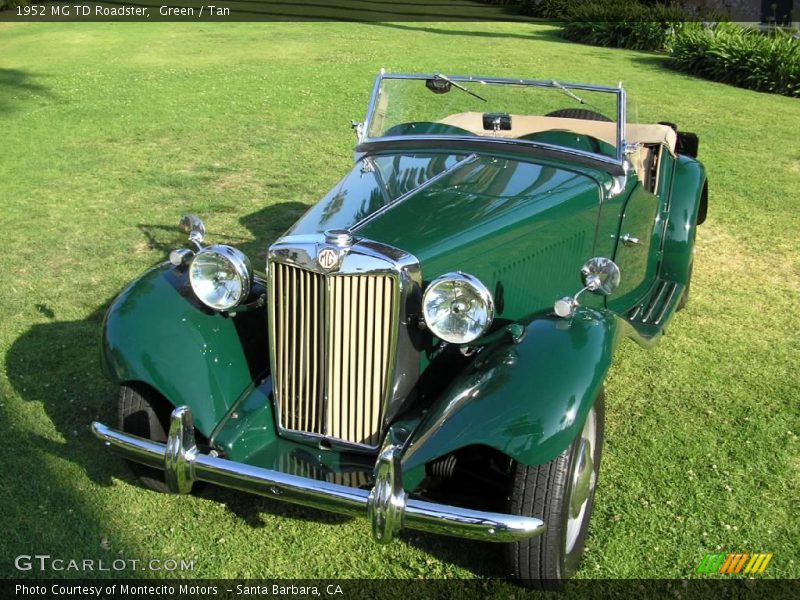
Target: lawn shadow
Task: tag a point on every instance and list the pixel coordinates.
(473, 33)
(15, 83)
(483, 559)
(251, 508)
(665, 62)
(74, 393)
(652, 60)
(265, 225)
(55, 364)
(165, 238)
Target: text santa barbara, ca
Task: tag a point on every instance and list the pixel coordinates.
(284, 589)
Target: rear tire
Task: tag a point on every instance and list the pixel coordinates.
(145, 413)
(549, 492)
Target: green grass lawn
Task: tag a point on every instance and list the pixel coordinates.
(110, 132)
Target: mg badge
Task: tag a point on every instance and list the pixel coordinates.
(327, 258)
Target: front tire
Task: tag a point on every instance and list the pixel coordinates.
(145, 413)
(561, 493)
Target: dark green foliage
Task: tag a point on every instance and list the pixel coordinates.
(623, 10)
(724, 52)
(9, 4)
(624, 24)
(742, 57)
(548, 9)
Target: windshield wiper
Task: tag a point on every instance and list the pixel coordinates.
(459, 86)
(573, 95)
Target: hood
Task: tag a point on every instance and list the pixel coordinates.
(524, 228)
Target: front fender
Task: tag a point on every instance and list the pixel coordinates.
(527, 399)
(157, 333)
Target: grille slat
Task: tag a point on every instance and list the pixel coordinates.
(369, 359)
(332, 341)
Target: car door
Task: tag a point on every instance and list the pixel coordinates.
(637, 248)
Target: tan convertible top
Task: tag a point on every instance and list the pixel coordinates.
(602, 130)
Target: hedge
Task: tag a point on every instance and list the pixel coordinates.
(746, 58)
(726, 52)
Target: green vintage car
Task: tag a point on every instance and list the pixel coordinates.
(427, 345)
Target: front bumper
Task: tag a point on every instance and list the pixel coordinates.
(387, 505)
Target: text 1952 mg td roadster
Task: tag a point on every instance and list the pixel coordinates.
(427, 345)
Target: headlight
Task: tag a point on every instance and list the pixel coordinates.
(457, 308)
(220, 276)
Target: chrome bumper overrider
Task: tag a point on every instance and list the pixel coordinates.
(387, 504)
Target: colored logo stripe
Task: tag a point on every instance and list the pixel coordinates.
(729, 564)
(710, 563)
(758, 563)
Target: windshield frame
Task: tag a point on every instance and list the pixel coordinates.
(621, 116)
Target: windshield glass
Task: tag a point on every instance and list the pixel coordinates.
(551, 113)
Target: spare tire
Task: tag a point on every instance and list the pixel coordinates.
(578, 113)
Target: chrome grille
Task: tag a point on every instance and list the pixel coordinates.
(333, 337)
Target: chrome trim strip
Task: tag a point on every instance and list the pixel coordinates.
(417, 514)
(601, 160)
(402, 197)
(373, 102)
(622, 112)
(502, 80)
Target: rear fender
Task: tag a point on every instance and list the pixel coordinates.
(527, 399)
(157, 333)
(687, 209)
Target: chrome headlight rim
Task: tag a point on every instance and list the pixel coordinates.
(240, 265)
(481, 291)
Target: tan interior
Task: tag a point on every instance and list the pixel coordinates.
(602, 130)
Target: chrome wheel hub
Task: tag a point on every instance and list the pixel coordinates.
(582, 481)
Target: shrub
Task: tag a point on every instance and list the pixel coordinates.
(562, 9)
(743, 57)
(9, 4)
(548, 9)
(624, 24)
(724, 52)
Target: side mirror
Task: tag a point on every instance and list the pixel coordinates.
(195, 228)
(600, 276)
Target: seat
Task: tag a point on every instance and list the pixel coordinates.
(645, 134)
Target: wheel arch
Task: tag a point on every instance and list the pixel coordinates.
(528, 399)
(155, 335)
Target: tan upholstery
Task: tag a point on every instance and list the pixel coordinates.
(602, 130)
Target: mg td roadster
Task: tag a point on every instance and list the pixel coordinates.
(427, 345)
